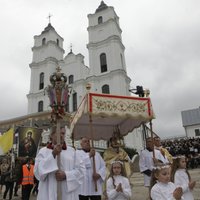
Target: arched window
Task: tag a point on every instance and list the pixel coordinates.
(105, 89)
(41, 83)
(71, 79)
(103, 62)
(122, 63)
(57, 42)
(74, 99)
(67, 105)
(100, 20)
(40, 106)
(43, 41)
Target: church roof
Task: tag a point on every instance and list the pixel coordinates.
(70, 53)
(101, 7)
(48, 28)
(41, 119)
(191, 117)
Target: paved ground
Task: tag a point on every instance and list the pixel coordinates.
(140, 192)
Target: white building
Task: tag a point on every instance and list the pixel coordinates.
(191, 122)
(107, 67)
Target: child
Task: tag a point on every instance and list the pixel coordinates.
(118, 186)
(180, 176)
(161, 187)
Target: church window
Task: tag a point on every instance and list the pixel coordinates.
(100, 20)
(103, 62)
(105, 89)
(122, 63)
(40, 106)
(41, 83)
(71, 79)
(74, 98)
(57, 42)
(43, 41)
(67, 105)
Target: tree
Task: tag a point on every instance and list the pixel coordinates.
(130, 151)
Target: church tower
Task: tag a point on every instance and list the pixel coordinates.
(106, 53)
(107, 67)
(47, 55)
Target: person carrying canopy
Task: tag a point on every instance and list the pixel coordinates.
(92, 175)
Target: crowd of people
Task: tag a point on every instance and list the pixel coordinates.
(61, 171)
(15, 174)
(190, 147)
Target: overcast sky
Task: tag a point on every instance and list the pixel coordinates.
(161, 37)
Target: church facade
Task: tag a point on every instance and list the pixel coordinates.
(106, 72)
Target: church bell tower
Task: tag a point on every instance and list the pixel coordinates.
(106, 52)
(47, 54)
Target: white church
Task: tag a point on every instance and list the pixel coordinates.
(106, 71)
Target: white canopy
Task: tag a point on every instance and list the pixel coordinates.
(100, 114)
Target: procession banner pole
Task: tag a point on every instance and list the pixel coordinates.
(58, 96)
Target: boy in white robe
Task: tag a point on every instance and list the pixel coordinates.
(147, 162)
(46, 170)
(87, 190)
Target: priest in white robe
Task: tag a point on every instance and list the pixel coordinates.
(47, 172)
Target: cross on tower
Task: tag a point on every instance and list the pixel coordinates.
(49, 16)
(70, 47)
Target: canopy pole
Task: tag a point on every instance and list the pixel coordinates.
(93, 158)
(88, 87)
(73, 142)
(152, 137)
(144, 135)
